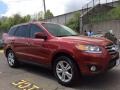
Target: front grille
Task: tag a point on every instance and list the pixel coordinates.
(110, 49)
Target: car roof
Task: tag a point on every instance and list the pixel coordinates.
(33, 22)
(41, 22)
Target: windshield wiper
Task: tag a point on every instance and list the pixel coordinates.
(62, 35)
(74, 35)
(66, 35)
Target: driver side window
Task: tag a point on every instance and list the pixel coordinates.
(34, 29)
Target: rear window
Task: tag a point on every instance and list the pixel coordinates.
(12, 31)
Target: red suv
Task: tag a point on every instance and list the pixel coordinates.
(58, 47)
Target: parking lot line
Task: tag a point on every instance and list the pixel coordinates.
(25, 85)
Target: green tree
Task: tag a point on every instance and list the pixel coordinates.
(48, 14)
(26, 18)
(7, 22)
(4, 24)
(17, 19)
(74, 22)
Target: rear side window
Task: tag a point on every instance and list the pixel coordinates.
(12, 31)
(34, 29)
(22, 31)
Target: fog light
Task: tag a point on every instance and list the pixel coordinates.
(93, 68)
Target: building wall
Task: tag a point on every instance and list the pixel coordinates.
(105, 26)
(61, 19)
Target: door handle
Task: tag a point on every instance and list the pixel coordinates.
(27, 43)
(12, 41)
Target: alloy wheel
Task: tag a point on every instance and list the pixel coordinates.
(11, 59)
(64, 71)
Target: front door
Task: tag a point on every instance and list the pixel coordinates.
(38, 52)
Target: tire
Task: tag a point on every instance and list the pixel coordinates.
(11, 59)
(66, 71)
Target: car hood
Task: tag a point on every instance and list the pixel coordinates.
(86, 40)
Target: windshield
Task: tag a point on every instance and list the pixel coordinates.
(59, 30)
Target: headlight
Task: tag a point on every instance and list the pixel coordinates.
(89, 48)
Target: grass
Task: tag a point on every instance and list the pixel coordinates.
(113, 14)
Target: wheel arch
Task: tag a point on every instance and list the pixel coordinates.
(58, 54)
(6, 51)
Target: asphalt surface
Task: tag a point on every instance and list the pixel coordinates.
(45, 80)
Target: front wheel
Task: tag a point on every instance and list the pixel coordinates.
(65, 71)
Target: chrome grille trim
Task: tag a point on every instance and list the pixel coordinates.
(110, 50)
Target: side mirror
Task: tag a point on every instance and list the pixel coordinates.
(41, 35)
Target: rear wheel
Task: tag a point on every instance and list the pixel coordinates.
(11, 58)
(66, 71)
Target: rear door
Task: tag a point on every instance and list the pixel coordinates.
(21, 41)
(9, 38)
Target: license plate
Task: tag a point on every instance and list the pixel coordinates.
(117, 62)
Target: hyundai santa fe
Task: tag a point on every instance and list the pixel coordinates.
(56, 46)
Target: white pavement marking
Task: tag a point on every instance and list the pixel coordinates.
(1, 51)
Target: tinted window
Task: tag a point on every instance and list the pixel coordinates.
(1, 41)
(22, 31)
(12, 31)
(35, 29)
(59, 30)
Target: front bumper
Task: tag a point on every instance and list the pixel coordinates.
(112, 63)
(102, 62)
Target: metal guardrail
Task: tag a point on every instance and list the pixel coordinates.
(91, 4)
(87, 7)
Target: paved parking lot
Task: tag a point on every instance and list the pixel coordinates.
(45, 80)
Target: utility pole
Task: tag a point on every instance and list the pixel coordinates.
(106, 1)
(81, 24)
(81, 20)
(44, 6)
